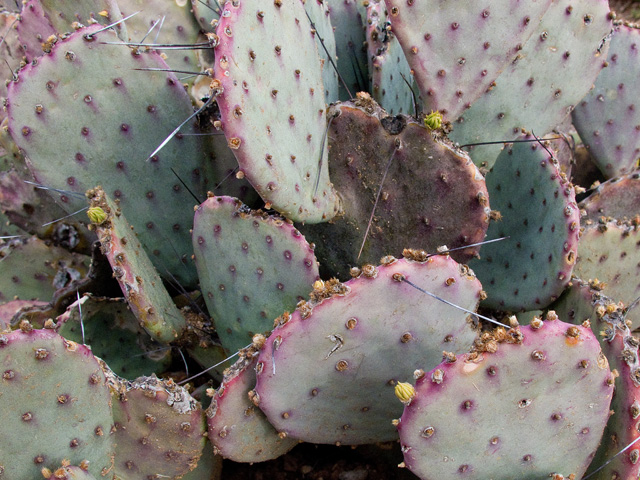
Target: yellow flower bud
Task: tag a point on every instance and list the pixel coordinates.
(97, 215)
(405, 392)
(433, 121)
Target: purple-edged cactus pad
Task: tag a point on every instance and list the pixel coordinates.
(534, 408)
(456, 49)
(54, 405)
(618, 198)
(83, 114)
(327, 373)
(272, 104)
(549, 76)
(237, 428)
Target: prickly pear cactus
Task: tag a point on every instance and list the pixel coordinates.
(610, 253)
(537, 211)
(397, 180)
(138, 279)
(360, 338)
(252, 267)
(551, 74)
(237, 428)
(55, 405)
(159, 428)
(457, 50)
(549, 378)
(617, 199)
(111, 329)
(35, 270)
(271, 99)
(607, 118)
(77, 125)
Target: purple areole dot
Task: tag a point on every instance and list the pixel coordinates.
(455, 25)
(268, 239)
(50, 85)
(151, 109)
(492, 371)
(280, 286)
(176, 227)
(124, 127)
(287, 254)
(26, 131)
(80, 157)
(150, 225)
(88, 99)
(171, 81)
(180, 28)
(71, 181)
(85, 131)
(150, 194)
(466, 405)
(259, 271)
(232, 268)
(120, 165)
(154, 159)
(200, 240)
(117, 82)
(217, 229)
(117, 193)
(64, 199)
(245, 246)
(176, 188)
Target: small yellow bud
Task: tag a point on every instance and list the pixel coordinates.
(97, 215)
(405, 392)
(433, 121)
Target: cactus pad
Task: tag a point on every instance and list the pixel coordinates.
(427, 179)
(607, 119)
(327, 373)
(610, 252)
(138, 279)
(537, 406)
(55, 405)
(551, 74)
(159, 428)
(252, 267)
(272, 105)
(83, 113)
(539, 214)
(456, 50)
(618, 198)
(237, 428)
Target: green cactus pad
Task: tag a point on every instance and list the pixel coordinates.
(348, 18)
(272, 105)
(536, 407)
(252, 267)
(207, 12)
(35, 269)
(318, 11)
(138, 279)
(237, 428)
(618, 198)
(327, 372)
(577, 303)
(539, 215)
(456, 49)
(553, 71)
(607, 119)
(55, 405)
(159, 428)
(114, 334)
(387, 64)
(432, 194)
(84, 113)
(610, 252)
